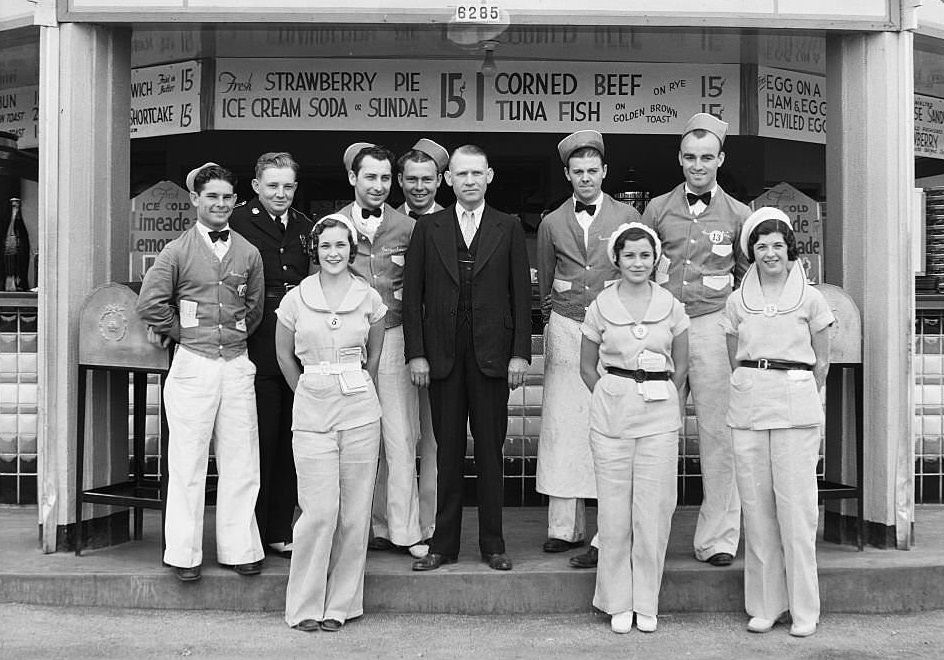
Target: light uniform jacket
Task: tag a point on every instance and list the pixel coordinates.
(705, 260)
(769, 398)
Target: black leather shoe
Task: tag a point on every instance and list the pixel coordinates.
(586, 560)
(560, 545)
(331, 625)
(252, 568)
(432, 561)
(381, 544)
(721, 559)
(191, 574)
(307, 625)
(498, 561)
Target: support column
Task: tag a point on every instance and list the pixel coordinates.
(83, 224)
(869, 182)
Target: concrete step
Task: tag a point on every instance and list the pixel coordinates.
(131, 575)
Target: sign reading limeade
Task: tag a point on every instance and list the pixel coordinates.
(791, 105)
(807, 219)
(158, 215)
(165, 100)
(444, 95)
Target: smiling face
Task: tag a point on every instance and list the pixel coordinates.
(700, 158)
(770, 254)
(372, 182)
(419, 181)
(469, 176)
(276, 189)
(214, 203)
(334, 250)
(636, 259)
(586, 177)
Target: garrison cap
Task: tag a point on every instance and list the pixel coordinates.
(435, 151)
(351, 153)
(757, 217)
(706, 122)
(193, 175)
(579, 140)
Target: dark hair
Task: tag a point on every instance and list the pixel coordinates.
(210, 173)
(584, 152)
(416, 156)
(633, 234)
(276, 159)
(376, 152)
(326, 223)
(700, 133)
(469, 150)
(772, 226)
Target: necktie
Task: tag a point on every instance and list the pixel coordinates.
(413, 214)
(365, 213)
(467, 227)
(704, 198)
(278, 223)
(589, 208)
(219, 236)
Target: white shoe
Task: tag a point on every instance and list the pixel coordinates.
(759, 625)
(646, 623)
(802, 629)
(622, 623)
(419, 550)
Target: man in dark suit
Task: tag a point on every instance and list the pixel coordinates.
(467, 330)
(279, 232)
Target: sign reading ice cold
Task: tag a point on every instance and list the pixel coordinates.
(158, 215)
(791, 105)
(311, 94)
(165, 100)
(19, 115)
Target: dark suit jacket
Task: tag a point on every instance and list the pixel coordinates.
(501, 293)
(284, 261)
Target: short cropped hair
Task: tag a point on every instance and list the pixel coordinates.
(376, 152)
(772, 226)
(277, 159)
(584, 152)
(469, 150)
(416, 156)
(210, 173)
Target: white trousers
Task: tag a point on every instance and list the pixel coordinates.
(776, 473)
(395, 511)
(636, 497)
(335, 481)
(718, 526)
(211, 399)
(566, 518)
(428, 470)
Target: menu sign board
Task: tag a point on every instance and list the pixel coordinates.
(791, 105)
(411, 95)
(158, 215)
(929, 126)
(165, 100)
(19, 114)
(806, 215)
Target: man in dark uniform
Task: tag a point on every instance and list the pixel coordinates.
(279, 232)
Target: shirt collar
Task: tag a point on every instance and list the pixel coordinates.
(713, 190)
(357, 216)
(613, 310)
(597, 203)
(476, 213)
(752, 295)
(313, 295)
(205, 231)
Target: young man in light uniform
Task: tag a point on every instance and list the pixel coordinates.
(700, 225)
(573, 268)
(280, 233)
(420, 175)
(383, 236)
(205, 292)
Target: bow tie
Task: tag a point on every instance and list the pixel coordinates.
(365, 213)
(589, 208)
(704, 198)
(413, 214)
(222, 235)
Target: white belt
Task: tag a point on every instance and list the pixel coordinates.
(331, 368)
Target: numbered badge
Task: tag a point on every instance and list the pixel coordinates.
(640, 331)
(770, 310)
(334, 322)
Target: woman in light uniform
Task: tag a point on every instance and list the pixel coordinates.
(633, 357)
(778, 346)
(329, 326)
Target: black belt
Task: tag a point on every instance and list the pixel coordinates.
(278, 291)
(776, 364)
(638, 375)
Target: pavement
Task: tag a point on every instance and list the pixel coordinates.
(130, 575)
(30, 631)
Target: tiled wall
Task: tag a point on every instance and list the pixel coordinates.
(929, 406)
(18, 377)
